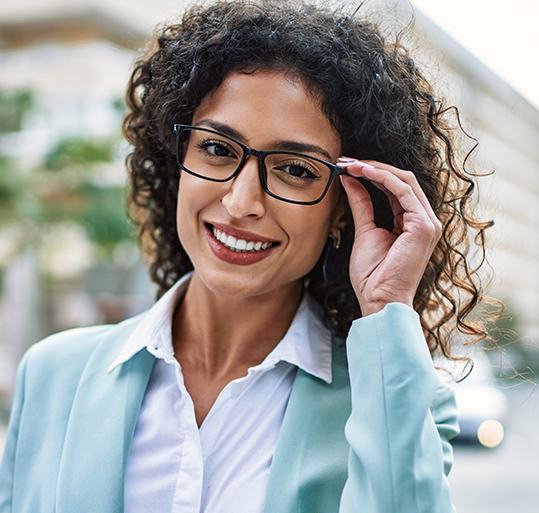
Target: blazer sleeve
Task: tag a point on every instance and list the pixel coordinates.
(402, 419)
(7, 467)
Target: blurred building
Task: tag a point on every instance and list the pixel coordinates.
(507, 128)
(76, 56)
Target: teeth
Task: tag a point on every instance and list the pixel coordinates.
(239, 245)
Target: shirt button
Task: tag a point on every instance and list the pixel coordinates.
(156, 351)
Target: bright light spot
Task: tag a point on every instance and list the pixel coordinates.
(490, 433)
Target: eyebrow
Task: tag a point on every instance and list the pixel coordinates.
(295, 146)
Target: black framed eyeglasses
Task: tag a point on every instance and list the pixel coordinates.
(284, 175)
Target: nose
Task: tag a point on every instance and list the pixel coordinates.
(245, 196)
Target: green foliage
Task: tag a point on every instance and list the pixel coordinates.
(104, 216)
(63, 188)
(12, 188)
(76, 152)
(99, 209)
(8, 187)
(13, 106)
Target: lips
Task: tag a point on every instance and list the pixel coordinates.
(238, 246)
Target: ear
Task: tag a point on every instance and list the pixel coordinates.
(341, 215)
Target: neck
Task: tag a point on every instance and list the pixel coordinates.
(223, 336)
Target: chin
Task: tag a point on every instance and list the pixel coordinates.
(228, 284)
(243, 285)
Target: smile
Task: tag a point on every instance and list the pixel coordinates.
(240, 245)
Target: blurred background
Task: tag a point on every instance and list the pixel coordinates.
(68, 257)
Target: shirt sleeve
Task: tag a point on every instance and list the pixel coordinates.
(402, 419)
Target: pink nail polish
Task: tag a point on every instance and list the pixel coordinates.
(364, 165)
(346, 159)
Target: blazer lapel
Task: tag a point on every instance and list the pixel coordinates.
(100, 428)
(309, 467)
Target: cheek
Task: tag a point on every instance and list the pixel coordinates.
(310, 232)
(182, 209)
(320, 222)
(194, 195)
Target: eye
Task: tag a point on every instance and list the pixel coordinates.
(216, 149)
(299, 170)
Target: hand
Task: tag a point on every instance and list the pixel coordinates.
(386, 267)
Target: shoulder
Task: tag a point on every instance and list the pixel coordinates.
(70, 343)
(67, 353)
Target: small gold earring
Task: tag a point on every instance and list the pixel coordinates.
(336, 239)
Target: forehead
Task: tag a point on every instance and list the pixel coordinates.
(266, 107)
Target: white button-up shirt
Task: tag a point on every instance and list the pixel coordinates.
(224, 466)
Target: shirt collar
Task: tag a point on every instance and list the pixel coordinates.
(306, 344)
(155, 330)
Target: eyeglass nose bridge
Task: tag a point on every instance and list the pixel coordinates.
(260, 155)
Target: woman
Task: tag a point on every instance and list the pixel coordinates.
(296, 191)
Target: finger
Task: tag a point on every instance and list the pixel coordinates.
(360, 204)
(406, 199)
(403, 192)
(409, 178)
(353, 168)
(373, 171)
(409, 195)
(355, 171)
(365, 169)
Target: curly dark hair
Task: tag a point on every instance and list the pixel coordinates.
(373, 94)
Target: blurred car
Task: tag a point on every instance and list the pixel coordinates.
(483, 407)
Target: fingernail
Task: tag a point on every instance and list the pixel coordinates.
(346, 159)
(353, 162)
(364, 165)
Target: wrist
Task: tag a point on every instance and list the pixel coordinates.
(373, 307)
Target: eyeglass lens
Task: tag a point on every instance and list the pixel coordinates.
(289, 176)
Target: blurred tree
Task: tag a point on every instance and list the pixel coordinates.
(72, 192)
(103, 215)
(9, 186)
(75, 152)
(13, 107)
(66, 187)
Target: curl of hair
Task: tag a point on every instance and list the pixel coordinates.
(370, 90)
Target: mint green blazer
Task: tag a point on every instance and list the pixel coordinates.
(375, 440)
